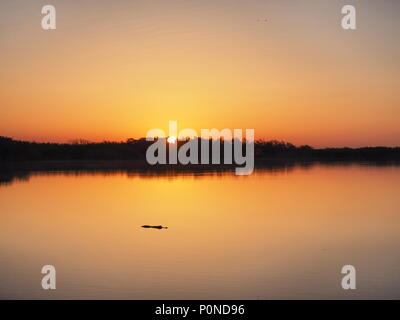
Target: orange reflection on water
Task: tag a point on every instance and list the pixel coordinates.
(282, 234)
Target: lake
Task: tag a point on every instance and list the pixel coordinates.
(280, 233)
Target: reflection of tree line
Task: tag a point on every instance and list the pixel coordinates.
(23, 172)
(132, 149)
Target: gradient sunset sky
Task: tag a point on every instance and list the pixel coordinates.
(114, 69)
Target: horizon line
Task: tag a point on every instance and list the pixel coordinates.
(81, 141)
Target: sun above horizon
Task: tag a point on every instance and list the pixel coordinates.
(171, 139)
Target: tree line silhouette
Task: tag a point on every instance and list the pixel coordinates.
(135, 149)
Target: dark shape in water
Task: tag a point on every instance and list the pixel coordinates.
(154, 227)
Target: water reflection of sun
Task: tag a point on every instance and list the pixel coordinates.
(171, 139)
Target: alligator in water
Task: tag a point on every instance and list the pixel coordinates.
(154, 227)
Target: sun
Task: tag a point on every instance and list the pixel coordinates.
(171, 139)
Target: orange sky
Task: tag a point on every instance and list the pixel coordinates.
(115, 69)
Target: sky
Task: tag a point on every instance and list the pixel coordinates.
(115, 69)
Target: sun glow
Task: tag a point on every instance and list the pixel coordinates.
(171, 139)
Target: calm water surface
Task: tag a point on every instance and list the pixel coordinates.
(274, 234)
